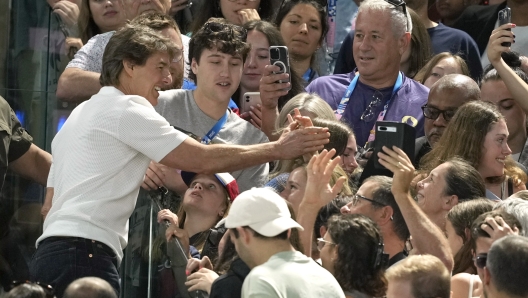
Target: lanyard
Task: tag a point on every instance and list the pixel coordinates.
(216, 128)
(308, 75)
(346, 98)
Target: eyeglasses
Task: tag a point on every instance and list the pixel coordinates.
(368, 115)
(433, 113)
(398, 3)
(237, 31)
(356, 198)
(178, 55)
(321, 243)
(48, 290)
(480, 260)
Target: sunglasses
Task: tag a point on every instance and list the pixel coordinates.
(369, 113)
(398, 3)
(214, 27)
(433, 113)
(321, 243)
(48, 290)
(480, 260)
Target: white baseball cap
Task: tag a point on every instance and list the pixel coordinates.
(263, 210)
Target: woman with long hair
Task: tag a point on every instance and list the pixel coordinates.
(261, 35)
(505, 84)
(478, 134)
(440, 65)
(352, 250)
(303, 26)
(234, 11)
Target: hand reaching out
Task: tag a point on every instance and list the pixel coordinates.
(319, 171)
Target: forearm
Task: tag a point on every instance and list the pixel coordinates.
(34, 164)
(427, 238)
(210, 159)
(517, 87)
(306, 218)
(269, 117)
(77, 85)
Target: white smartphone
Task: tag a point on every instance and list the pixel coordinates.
(249, 99)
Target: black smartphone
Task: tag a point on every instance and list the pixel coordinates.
(390, 134)
(279, 56)
(505, 18)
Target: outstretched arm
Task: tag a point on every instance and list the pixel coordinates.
(517, 87)
(193, 156)
(427, 237)
(317, 194)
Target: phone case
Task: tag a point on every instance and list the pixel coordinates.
(390, 134)
(279, 56)
(250, 99)
(505, 18)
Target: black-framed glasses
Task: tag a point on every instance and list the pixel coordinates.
(48, 290)
(356, 198)
(480, 260)
(369, 114)
(321, 243)
(398, 3)
(213, 27)
(433, 113)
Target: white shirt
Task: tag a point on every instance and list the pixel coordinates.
(100, 157)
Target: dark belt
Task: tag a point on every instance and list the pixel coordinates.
(88, 242)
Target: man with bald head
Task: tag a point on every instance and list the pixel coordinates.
(90, 287)
(445, 96)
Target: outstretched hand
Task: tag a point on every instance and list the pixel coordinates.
(319, 171)
(301, 137)
(399, 163)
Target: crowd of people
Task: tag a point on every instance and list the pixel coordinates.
(293, 196)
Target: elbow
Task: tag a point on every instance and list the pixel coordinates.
(64, 89)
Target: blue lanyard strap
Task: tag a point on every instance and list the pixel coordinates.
(346, 98)
(308, 75)
(216, 128)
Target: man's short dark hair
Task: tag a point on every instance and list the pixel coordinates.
(463, 180)
(383, 194)
(217, 34)
(508, 265)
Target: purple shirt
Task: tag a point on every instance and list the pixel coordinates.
(405, 105)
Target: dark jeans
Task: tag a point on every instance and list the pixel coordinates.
(60, 260)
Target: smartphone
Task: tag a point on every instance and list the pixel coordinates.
(250, 99)
(279, 56)
(390, 134)
(505, 18)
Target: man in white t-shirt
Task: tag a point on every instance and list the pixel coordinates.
(104, 148)
(260, 227)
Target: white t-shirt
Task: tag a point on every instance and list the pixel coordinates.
(293, 275)
(100, 157)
